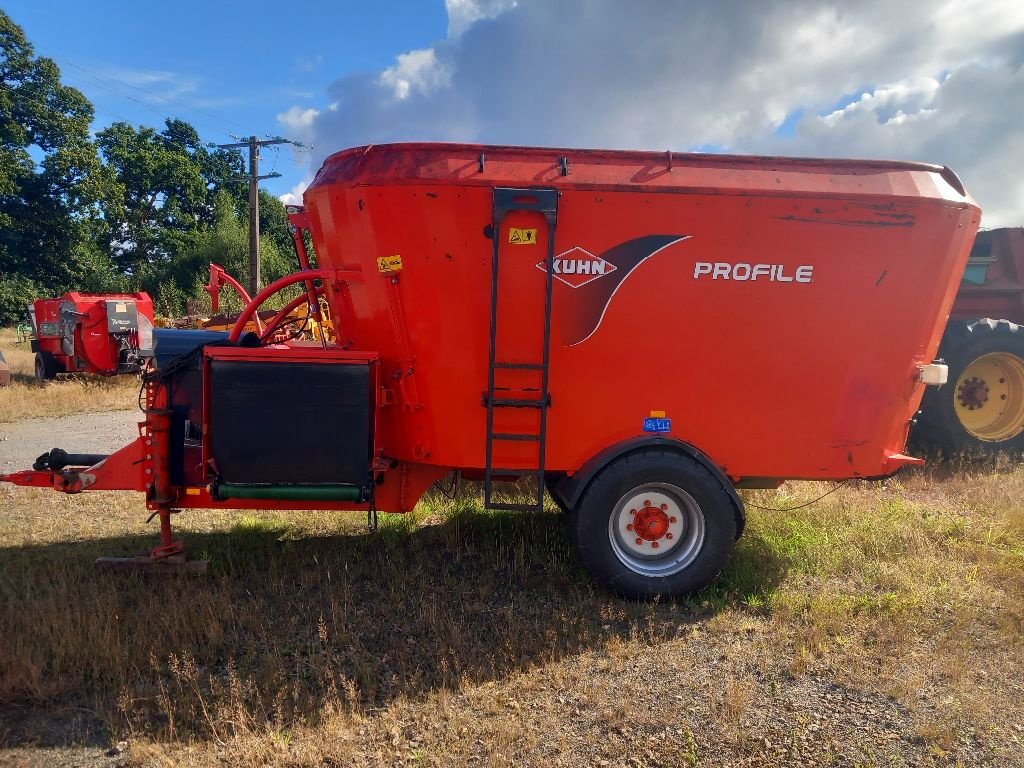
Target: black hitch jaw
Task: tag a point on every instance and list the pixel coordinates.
(57, 459)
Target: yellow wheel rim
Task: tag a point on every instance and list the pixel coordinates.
(989, 397)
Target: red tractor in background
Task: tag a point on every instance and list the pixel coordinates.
(981, 409)
(89, 333)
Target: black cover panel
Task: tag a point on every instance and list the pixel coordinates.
(290, 423)
(122, 316)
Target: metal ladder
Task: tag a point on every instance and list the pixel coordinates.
(545, 202)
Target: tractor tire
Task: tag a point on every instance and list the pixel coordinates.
(981, 410)
(46, 367)
(654, 524)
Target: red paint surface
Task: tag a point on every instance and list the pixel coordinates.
(770, 379)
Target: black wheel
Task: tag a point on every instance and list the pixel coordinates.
(46, 367)
(654, 523)
(981, 409)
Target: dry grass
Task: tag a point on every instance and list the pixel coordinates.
(25, 399)
(879, 627)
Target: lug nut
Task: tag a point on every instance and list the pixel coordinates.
(668, 535)
(654, 545)
(647, 502)
(664, 507)
(640, 542)
(632, 511)
(671, 519)
(629, 527)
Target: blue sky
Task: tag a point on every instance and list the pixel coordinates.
(940, 81)
(144, 61)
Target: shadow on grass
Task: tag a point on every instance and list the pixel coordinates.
(288, 625)
(27, 379)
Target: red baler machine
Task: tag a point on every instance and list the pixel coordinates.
(638, 333)
(105, 334)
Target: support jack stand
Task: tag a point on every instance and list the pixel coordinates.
(169, 557)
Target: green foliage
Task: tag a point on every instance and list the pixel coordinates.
(136, 208)
(16, 291)
(51, 179)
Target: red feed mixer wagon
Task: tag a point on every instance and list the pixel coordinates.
(105, 334)
(640, 333)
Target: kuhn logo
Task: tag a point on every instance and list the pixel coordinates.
(577, 267)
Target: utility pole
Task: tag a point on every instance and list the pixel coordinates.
(254, 180)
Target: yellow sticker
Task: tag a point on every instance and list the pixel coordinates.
(657, 414)
(120, 307)
(193, 491)
(389, 263)
(522, 236)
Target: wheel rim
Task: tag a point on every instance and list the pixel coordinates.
(989, 397)
(656, 529)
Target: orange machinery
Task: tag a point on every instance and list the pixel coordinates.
(640, 333)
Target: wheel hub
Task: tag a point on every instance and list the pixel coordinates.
(656, 529)
(989, 397)
(973, 393)
(651, 523)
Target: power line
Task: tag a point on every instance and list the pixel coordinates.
(254, 145)
(106, 80)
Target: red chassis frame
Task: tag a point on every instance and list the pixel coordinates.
(144, 465)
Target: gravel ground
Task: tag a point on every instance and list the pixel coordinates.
(22, 441)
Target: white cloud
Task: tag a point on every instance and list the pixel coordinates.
(925, 80)
(294, 196)
(462, 14)
(415, 72)
(889, 102)
(298, 118)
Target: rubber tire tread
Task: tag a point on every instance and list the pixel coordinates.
(588, 524)
(49, 367)
(939, 428)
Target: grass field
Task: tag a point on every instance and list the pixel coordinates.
(879, 626)
(25, 399)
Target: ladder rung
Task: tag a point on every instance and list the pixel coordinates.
(521, 366)
(514, 436)
(519, 472)
(514, 507)
(518, 403)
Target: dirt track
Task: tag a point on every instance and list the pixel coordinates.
(22, 441)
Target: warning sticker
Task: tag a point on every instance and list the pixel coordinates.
(389, 263)
(522, 236)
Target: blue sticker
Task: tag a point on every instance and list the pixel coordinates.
(657, 425)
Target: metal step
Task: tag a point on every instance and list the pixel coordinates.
(512, 402)
(521, 472)
(521, 366)
(512, 507)
(515, 436)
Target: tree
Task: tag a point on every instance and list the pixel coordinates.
(225, 243)
(51, 179)
(167, 184)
